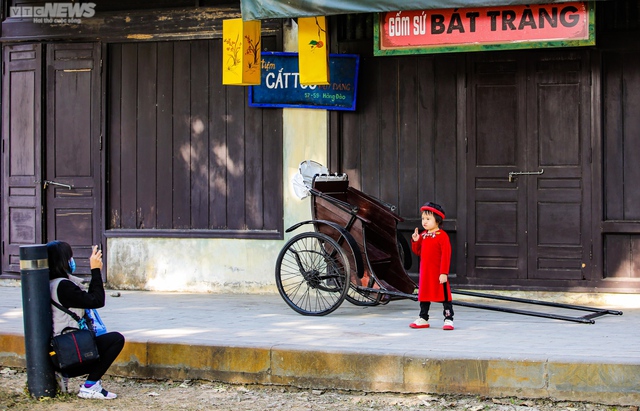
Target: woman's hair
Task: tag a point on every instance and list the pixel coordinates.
(59, 255)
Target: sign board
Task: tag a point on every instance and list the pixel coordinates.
(488, 28)
(280, 84)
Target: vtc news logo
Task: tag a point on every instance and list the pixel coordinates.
(54, 12)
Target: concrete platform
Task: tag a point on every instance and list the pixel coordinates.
(259, 339)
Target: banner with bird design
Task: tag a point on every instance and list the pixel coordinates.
(241, 52)
(313, 53)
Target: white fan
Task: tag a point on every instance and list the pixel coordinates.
(303, 179)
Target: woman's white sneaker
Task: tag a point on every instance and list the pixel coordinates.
(96, 391)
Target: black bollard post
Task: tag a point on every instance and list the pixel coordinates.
(36, 308)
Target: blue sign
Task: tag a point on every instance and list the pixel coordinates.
(280, 84)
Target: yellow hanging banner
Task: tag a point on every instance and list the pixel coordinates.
(313, 54)
(241, 52)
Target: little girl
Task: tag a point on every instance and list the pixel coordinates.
(434, 249)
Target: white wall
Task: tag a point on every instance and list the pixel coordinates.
(224, 265)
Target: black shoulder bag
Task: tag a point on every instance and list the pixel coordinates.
(74, 346)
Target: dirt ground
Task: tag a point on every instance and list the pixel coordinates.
(137, 395)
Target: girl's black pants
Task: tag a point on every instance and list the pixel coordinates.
(447, 310)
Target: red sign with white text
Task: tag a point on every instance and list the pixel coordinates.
(489, 25)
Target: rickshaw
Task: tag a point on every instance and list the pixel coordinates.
(355, 252)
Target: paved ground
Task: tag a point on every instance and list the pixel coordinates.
(258, 338)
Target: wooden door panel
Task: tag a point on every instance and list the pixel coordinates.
(72, 116)
(73, 148)
(21, 136)
(497, 250)
(559, 241)
(559, 223)
(559, 212)
(497, 207)
(496, 126)
(559, 125)
(496, 147)
(559, 141)
(73, 224)
(501, 223)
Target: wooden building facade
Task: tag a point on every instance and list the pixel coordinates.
(130, 112)
(450, 128)
(119, 126)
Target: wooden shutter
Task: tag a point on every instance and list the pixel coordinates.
(21, 153)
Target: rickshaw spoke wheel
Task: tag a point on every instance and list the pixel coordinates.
(312, 274)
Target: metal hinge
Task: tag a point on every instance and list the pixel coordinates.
(100, 142)
(591, 251)
(466, 249)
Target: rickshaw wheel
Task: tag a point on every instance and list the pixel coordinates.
(312, 274)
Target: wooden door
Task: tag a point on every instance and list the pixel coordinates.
(73, 148)
(559, 200)
(52, 149)
(496, 250)
(529, 116)
(21, 154)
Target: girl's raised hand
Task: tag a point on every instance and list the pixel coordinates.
(415, 236)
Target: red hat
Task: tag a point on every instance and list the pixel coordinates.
(434, 208)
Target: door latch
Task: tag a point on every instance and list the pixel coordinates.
(524, 173)
(53, 183)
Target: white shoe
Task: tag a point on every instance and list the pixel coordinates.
(96, 391)
(419, 323)
(63, 382)
(448, 325)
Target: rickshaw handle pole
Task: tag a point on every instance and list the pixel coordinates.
(344, 205)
